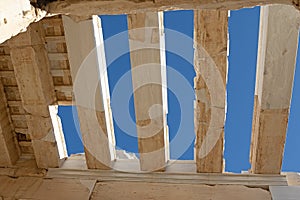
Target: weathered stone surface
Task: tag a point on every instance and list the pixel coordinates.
(32, 72)
(278, 42)
(94, 7)
(88, 71)
(9, 149)
(39, 188)
(146, 41)
(64, 186)
(29, 64)
(210, 42)
(156, 191)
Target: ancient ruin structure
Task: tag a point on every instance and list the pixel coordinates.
(43, 47)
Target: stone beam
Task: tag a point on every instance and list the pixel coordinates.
(210, 41)
(95, 7)
(32, 72)
(90, 86)
(9, 149)
(278, 42)
(16, 16)
(179, 178)
(157, 191)
(97, 184)
(148, 64)
(47, 189)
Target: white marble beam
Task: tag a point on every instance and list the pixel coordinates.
(278, 43)
(90, 86)
(148, 68)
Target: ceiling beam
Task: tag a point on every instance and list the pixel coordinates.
(90, 86)
(148, 68)
(17, 19)
(278, 43)
(97, 7)
(260, 181)
(32, 72)
(210, 41)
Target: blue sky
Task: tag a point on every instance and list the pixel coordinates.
(243, 33)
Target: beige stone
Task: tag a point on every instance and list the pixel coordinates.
(39, 188)
(32, 72)
(9, 149)
(148, 69)
(278, 42)
(94, 7)
(88, 71)
(156, 191)
(210, 41)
